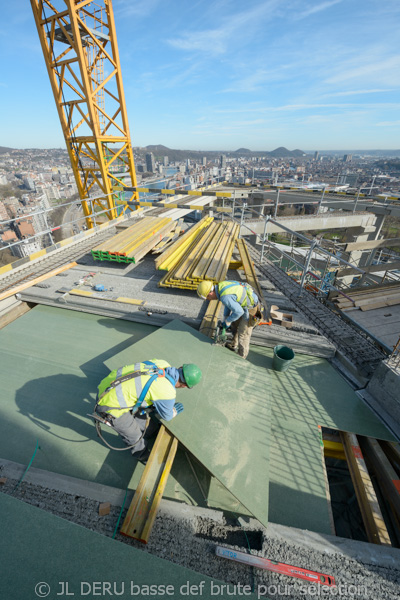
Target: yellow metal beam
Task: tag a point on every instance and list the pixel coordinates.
(91, 107)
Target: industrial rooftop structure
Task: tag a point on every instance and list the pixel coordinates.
(260, 455)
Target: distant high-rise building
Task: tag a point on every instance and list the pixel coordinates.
(29, 184)
(165, 161)
(347, 158)
(222, 161)
(204, 161)
(39, 219)
(150, 163)
(316, 155)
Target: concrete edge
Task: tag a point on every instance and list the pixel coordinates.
(98, 492)
(366, 553)
(380, 412)
(344, 366)
(137, 316)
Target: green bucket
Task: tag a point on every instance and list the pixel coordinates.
(283, 357)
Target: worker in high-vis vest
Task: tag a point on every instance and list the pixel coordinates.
(129, 394)
(243, 310)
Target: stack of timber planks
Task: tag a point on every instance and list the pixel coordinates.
(368, 299)
(203, 253)
(135, 242)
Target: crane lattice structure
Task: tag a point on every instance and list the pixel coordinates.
(80, 50)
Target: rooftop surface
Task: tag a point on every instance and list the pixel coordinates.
(249, 438)
(53, 359)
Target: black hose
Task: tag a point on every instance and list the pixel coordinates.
(98, 430)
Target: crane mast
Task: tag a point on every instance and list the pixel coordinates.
(80, 49)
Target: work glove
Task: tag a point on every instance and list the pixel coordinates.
(225, 325)
(178, 408)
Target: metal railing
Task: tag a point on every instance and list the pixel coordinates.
(394, 358)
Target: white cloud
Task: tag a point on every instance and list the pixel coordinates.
(216, 40)
(388, 124)
(358, 92)
(383, 69)
(316, 9)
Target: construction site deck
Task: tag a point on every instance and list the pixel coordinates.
(262, 461)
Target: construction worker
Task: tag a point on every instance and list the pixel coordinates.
(128, 394)
(243, 310)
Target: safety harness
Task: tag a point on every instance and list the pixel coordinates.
(154, 372)
(104, 419)
(247, 293)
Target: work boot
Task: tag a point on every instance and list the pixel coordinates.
(144, 456)
(230, 347)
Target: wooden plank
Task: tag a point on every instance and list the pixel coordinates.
(373, 293)
(369, 245)
(142, 512)
(334, 450)
(206, 257)
(28, 284)
(168, 240)
(210, 319)
(392, 451)
(381, 304)
(248, 267)
(95, 296)
(234, 265)
(384, 471)
(223, 264)
(149, 244)
(181, 240)
(366, 496)
(376, 287)
(360, 298)
(14, 313)
(371, 269)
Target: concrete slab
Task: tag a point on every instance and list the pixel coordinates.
(140, 283)
(383, 323)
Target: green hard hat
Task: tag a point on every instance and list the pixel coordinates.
(192, 374)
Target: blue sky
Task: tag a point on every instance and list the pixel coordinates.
(220, 75)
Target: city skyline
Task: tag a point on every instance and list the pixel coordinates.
(312, 76)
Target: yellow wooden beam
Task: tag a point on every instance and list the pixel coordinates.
(142, 512)
(28, 284)
(369, 506)
(334, 450)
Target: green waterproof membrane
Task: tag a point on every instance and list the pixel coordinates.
(253, 428)
(43, 556)
(226, 419)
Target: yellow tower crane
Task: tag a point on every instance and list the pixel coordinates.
(80, 49)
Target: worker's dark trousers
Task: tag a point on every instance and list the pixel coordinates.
(131, 429)
(241, 336)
